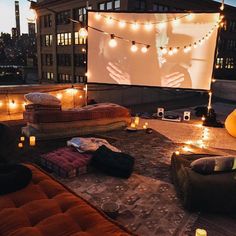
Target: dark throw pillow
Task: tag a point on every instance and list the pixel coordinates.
(210, 165)
(14, 178)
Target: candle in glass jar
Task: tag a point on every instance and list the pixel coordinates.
(22, 139)
(20, 145)
(132, 125)
(201, 232)
(32, 140)
(136, 120)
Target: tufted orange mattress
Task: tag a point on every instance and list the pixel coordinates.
(46, 208)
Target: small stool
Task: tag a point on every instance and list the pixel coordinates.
(215, 192)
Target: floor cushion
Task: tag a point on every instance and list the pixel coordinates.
(66, 162)
(46, 208)
(214, 192)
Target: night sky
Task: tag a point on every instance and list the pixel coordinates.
(7, 14)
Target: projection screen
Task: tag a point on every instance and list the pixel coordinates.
(181, 52)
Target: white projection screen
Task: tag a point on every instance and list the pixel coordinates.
(195, 33)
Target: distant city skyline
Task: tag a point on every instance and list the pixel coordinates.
(7, 13)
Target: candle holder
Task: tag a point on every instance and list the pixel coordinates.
(32, 141)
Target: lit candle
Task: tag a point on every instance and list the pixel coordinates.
(133, 125)
(146, 124)
(20, 145)
(136, 120)
(32, 140)
(177, 153)
(22, 139)
(201, 232)
(144, 127)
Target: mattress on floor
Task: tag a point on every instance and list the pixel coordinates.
(91, 112)
(47, 208)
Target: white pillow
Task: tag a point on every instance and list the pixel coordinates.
(42, 99)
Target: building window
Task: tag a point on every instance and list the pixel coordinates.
(47, 40)
(160, 8)
(79, 40)
(117, 5)
(106, 6)
(80, 14)
(229, 63)
(47, 21)
(64, 59)
(64, 39)
(231, 44)
(48, 75)
(80, 60)
(219, 63)
(80, 79)
(47, 59)
(232, 26)
(140, 5)
(64, 78)
(63, 17)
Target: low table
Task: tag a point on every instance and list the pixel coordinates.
(214, 192)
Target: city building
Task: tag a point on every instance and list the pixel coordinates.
(17, 15)
(31, 29)
(62, 55)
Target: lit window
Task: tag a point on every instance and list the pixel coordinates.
(47, 40)
(101, 6)
(49, 75)
(64, 39)
(64, 78)
(109, 6)
(219, 63)
(117, 4)
(229, 63)
(79, 40)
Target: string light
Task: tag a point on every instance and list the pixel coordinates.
(170, 53)
(175, 50)
(109, 21)
(176, 22)
(98, 16)
(1, 103)
(135, 26)
(161, 25)
(163, 50)
(222, 7)
(112, 41)
(12, 104)
(134, 47)
(190, 16)
(195, 45)
(148, 26)
(122, 24)
(144, 49)
(83, 33)
(59, 96)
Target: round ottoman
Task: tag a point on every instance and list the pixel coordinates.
(230, 123)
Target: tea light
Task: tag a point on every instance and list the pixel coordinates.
(201, 232)
(136, 120)
(22, 139)
(32, 140)
(146, 123)
(133, 125)
(144, 127)
(177, 153)
(20, 145)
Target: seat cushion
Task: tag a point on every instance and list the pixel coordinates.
(91, 112)
(66, 162)
(46, 208)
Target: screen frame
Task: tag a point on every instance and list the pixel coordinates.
(155, 12)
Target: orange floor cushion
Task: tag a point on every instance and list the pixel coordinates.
(47, 208)
(230, 123)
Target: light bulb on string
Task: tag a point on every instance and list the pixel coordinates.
(112, 42)
(170, 52)
(32, 16)
(97, 16)
(195, 45)
(134, 47)
(176, 22)
(163, 50)
(222, 7)
(109, 20)
(135, 26)
(83, 33)
(122, 24)
(175, 50)
(161, 25)
(145, 49)
(200, 42)
(148, 26)
(190, 16)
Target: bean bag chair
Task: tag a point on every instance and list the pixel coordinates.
(230, 123)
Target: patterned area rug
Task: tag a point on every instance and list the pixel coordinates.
(147, 200)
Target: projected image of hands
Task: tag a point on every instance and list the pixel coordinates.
(117, 74)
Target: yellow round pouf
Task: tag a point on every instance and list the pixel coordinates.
(230, 123)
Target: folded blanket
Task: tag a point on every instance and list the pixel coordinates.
(113, 163)
(38, 107)
(90, 144)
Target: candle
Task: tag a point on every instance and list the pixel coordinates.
(144, 127)
(32, 140)
(136, 120)
(177, 153)
(20, 145)
(201, 232)
(133, 125)
(146, 124)
(22, 139)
